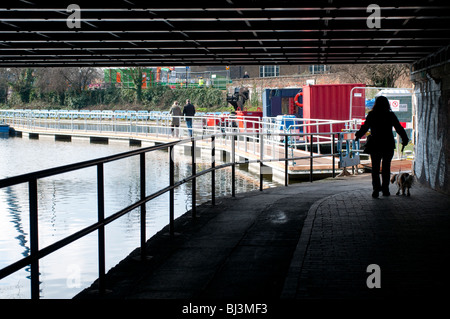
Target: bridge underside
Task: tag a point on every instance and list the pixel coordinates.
(224, 32)
(245, 32)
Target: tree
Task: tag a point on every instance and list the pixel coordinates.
(79, 78)
(51, 80)
(22, 83)
(136, 76)
(386, 75)
(4, 79)
(379, 75)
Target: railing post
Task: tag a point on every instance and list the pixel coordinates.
(101, 230)
(286, 162)
(332, 154)
(233, 166)
(311, 159)
(194, 181)
(245, 143)
(213, 172)
(143, 206)
(34, 238)
(171, 192)
(261, 153)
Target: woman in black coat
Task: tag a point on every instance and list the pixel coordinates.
(380, 122)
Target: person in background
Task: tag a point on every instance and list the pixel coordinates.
(246, 76)
(175, 111)
(189, 112)
(380, 122)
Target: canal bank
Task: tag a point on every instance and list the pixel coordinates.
(306, 241)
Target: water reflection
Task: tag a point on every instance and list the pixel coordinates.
(68, 202)
(14, 207)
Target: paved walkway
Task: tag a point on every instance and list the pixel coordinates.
(306, 241)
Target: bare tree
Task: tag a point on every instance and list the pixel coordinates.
(379, 75)
(51, 80)
(79, 78)
(386, 75)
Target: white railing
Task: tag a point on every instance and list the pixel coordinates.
(159, 124)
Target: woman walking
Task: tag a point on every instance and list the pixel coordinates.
(380, 122)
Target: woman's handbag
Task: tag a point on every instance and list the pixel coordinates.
(368, 147)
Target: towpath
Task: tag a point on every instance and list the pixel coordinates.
(305, 241)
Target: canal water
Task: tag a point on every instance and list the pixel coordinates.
(68, 202)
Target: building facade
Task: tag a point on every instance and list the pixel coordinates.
(263, 71)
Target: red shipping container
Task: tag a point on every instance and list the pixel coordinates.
(332, 102)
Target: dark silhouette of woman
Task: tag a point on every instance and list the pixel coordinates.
(380, 122)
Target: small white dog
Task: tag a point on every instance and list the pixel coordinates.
(404, 182)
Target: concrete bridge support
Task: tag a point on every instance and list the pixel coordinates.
(432, 99)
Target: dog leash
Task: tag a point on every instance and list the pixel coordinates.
(403, 148)
(400, 168)
(401, 159)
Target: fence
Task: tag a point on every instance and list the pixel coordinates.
(159, 124)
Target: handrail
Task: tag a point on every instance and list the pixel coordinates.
(31, 178)
(127, 116)
(133, 124)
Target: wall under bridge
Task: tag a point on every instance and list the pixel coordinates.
(432, 154)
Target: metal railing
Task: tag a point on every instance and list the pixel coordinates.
(128, 121)
(36, 253)
(158, 124)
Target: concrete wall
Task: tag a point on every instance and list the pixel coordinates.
(432, 100)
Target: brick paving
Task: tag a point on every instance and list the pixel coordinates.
(407, 237)
(306, 241)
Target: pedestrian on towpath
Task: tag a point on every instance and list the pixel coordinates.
(380, 122)
(189, 112)
(175, 111)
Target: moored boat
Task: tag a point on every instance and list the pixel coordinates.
(4, 128)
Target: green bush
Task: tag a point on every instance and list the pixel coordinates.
(77, 102)
(111, 96)
(201, 97)
(127, 95)
(158, 97)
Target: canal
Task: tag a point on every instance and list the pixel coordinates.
(68, 202)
